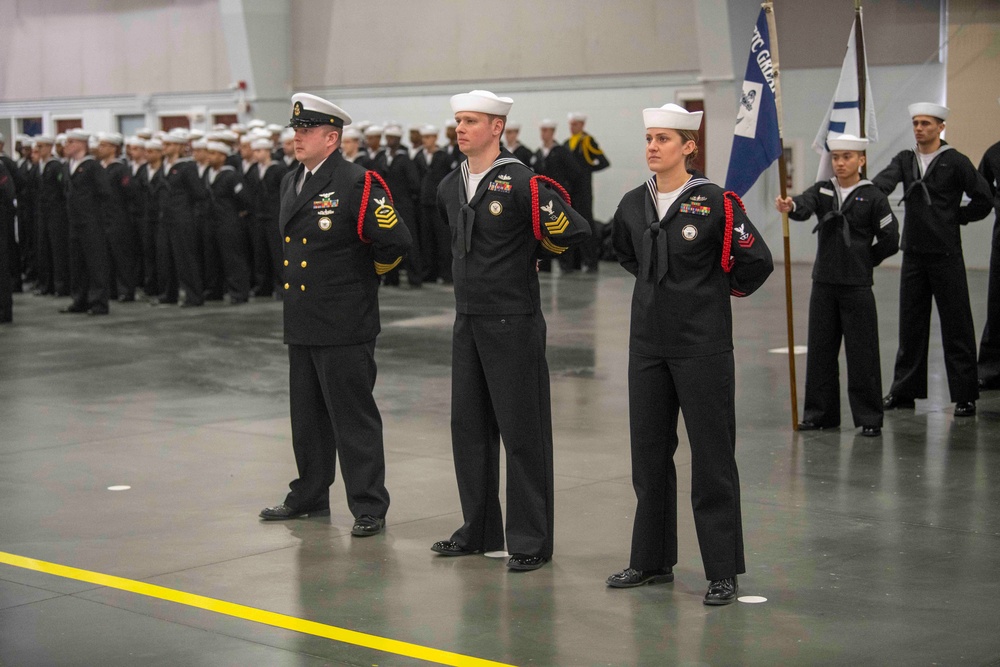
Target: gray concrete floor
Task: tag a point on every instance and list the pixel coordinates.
(879, 551)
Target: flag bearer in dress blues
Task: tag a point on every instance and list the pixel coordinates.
(856, 231)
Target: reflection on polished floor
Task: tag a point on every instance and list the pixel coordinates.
(869, 551)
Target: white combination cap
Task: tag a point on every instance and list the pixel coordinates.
(846, 142)
(312, 111)
(265, 144)
(218, 147)
(672, 117)
(482, 101)
(929, 109)
(576, 115)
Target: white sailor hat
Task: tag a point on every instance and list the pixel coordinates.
(246, 138)
(287, 134)
(21, 137)
(218, 147)
(159, 134)
(256, 123)
(274, 128)
(228, 136)
(219, 127)
(113, 138)
(61, 139)
(178, 135)
(393, 131)
(239, 128)
(427, 130)
(576, 116)
(154, 145)
(312, 111)
(482, 101)
(548, 123)
(514, 125)
(77, 133)
(259, 133)
(672, 117)
(929, 109)
(196, 134)
(846, 142)
(362, 125)
(92, 142)
(44, 139)
(351, 133)
(135, 140)
(262, 144)
(373, 131)
(451, 123)
(144, 133)
(198, 144)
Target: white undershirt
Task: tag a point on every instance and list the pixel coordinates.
(474, 181)
(846, 192)
(664, 200)
(925, 160)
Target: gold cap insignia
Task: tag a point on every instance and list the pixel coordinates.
(297, 109)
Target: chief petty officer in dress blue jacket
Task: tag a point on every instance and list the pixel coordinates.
(502, 219)
(856, 231)
(690, 247)
(339, 232)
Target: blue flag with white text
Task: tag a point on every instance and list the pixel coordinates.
(756, 140)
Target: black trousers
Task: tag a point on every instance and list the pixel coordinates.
(89, 265)
(186, 248)
(843, 312)
(232, 240)
(148, 237)
(942, 277)
(703, 389)
(500, 389)
(211, 261)
(334, 414)
(989, 345)
(123, 241)
(166, 268)
(6, 283)
(263, 263)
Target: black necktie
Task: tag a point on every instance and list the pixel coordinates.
(308, 176)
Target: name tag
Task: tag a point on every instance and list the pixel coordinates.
(826, 191)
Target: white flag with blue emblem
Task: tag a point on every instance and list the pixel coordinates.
(756, 139)
(844, 114)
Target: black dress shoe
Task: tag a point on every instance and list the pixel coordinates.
(892, 402)
(812, 426)
(722, 591)
(73, 308)
(449, 548)
(871, 431)
(366, 525)
(525, 563)
(630, 577)
(967, 409)
(98, 310)
(283, 512)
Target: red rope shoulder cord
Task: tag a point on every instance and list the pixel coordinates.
(727, 241)
(536, 221)
(364, 201)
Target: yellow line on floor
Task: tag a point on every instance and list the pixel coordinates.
(251, 614)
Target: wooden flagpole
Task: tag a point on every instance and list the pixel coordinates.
(859, 59)
(783, 178)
